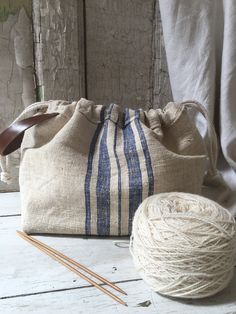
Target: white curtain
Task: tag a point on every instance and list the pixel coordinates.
(200, 41)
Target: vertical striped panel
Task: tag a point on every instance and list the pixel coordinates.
(89, 174)
(119, 180)
(124, 186)
(134, 171)
(115, 189)
(147, 157)
(111, 210)
(141, 155)
(103, 185)
(93, 184)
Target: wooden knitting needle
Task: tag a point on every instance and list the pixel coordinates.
(102, 279)
(58, 259)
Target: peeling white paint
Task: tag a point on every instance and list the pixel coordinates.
(17, 78)
(58, 57)
(23, 47)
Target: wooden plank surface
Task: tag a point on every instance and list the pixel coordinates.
(222, 303)
(140, 300)
(9, 204)
(33, 283)
(16, 68)
(81, 301)
(22, 277)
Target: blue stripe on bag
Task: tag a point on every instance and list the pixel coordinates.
(119, 181)
(134, 171)
(89, 173)
(103, 184)
(146, 153)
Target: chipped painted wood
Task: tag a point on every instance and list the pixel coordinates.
(59, 64)
(90, 301)
(22, 278)
(123, 48)
(16, 67)
(8, 7)
(223, 302)
(82, 301)
(33, 283)
(9, 204)
(126, 60)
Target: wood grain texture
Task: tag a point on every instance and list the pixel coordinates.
(16, 67)
(223, 302)
(126, 60)
(140, 300)
(161, 90)
(98, 254)
(119, 51)
(59, 64)
(82, 301)
(10, 204)
(33, 283)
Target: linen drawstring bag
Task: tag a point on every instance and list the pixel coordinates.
(85, 168)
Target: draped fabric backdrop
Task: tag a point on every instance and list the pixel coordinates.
(200, 41)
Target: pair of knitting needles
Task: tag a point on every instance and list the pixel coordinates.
(61, 258)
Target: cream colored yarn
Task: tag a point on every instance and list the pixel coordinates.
(184, 245)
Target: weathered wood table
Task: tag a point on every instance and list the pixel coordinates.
(31, 282)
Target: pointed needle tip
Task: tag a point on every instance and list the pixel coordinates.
(122, 291)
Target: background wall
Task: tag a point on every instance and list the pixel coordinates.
(104, 50)
(125, 56)
(17, 88)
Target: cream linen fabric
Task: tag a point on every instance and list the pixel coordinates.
(86, 170)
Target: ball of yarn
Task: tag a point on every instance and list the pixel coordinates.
(184, 245)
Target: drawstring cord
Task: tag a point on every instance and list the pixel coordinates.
(5, 174)
(213, 177)
(5, 164)
(211, 139)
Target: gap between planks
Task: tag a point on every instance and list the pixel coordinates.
(11, 215)
(64, 289)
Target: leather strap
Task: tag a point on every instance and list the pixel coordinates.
(11, 138)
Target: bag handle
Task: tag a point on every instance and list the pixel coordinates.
(11, 138)
(211, 139)
(213, 178)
